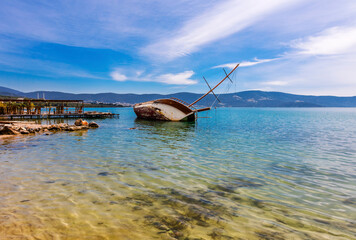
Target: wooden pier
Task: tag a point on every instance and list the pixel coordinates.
(89, 115)
(47, 109)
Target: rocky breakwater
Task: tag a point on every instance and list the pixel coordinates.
(23, 128)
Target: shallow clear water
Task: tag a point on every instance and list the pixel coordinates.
(239, 174)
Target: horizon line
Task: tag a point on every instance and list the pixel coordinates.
(252, 90)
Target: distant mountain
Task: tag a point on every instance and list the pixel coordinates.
(9, 92)
(239, 99)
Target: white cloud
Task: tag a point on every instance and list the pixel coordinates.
(257, 61)
(118, 76)
(183, 78)
(226, 65)
(139, 73)
(336, 40)
(319, 64)
(305, 74)
(275, 83)
(245, 64)
(219, 22)
(323, 63)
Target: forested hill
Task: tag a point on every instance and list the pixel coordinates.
(239, 99)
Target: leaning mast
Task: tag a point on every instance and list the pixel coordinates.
(227, 76)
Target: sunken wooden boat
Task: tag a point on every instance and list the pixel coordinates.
(173, 109)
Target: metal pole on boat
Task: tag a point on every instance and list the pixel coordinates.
(226, 75)
(210, 89)
(213, 87)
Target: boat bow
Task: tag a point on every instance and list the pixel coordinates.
(173, 109)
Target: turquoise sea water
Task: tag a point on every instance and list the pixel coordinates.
(236, 173)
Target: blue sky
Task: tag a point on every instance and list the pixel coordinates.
(296, 46)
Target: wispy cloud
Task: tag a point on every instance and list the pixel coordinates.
(183, 78)
(221, 21)
(322, 64)
(106, 24)
(335, 40)
(245, 63)
(327, 75)
(44, 68)
(302, 68)
(275, 83)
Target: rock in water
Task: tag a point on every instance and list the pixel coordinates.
(104, 174)
(93, 125)
(63, 126)
(24, 131)
(78, 122)
(6, 130)
(46, 132)
(70, 129)
(54, 127)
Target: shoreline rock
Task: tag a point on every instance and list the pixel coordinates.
(80, 122)
(8, 130)
(93, 125)
(28, 128)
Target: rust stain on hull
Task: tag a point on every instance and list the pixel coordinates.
(150, 113)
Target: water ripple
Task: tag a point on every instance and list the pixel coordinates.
(243, 173)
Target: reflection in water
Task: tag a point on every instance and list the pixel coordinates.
(165, 128)
(243, 174)
(50, 121)
(175, 131)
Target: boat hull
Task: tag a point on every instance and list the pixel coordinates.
(174, 109)
(164, 110)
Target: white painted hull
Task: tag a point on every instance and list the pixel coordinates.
(164, 110)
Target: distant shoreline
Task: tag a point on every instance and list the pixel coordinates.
(253, 98)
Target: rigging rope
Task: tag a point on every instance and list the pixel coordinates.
(233, 76)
